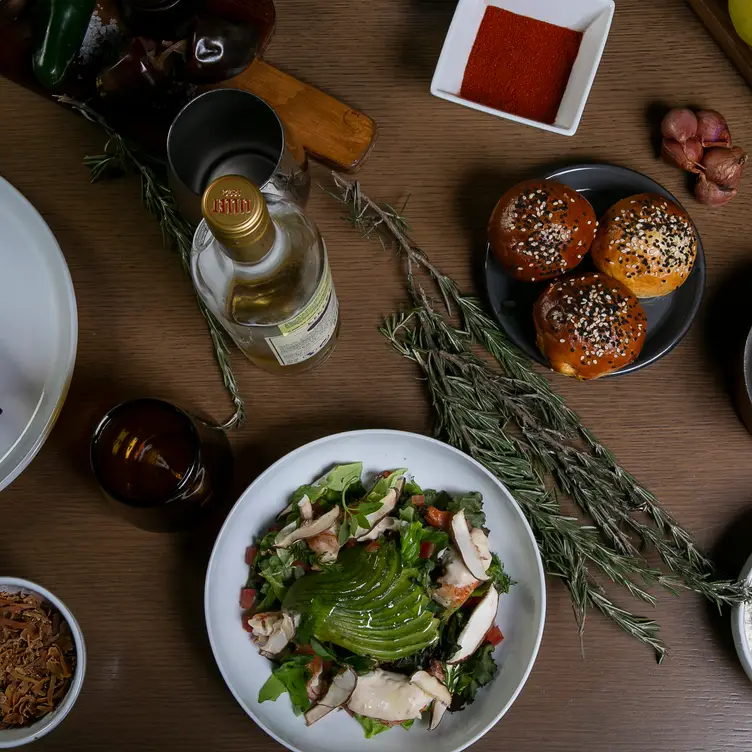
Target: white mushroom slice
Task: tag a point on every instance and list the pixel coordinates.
(387, 505)
(262, 625)
(326, 545)
(437, 713)
(466, 547)
(457, 583)
(283, 630)
(480, 541)
(307, 529)
(432, 686)
(381, 527)
(306, 509)
(480, 621)
(388, 697)
(338, 694)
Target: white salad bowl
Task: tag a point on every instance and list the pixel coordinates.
(435, 465)
(738, 626)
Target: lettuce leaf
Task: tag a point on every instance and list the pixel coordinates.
(371, 726)
(291, 677)
(410, 538)
(335, 481)
(501, 580)
(472, 503)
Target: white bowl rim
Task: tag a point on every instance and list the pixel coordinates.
(384, 431)
(738, 630)
(52, 720)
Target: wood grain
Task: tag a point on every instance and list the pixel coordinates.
(328, 130)
(151, 683)
(715, 15)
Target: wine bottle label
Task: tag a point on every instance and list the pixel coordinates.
(306, 334)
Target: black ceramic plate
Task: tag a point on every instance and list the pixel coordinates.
(669, 317)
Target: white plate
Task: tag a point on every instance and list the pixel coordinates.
(38, 331)
(434, 465)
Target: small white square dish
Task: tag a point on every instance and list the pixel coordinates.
(592, 17)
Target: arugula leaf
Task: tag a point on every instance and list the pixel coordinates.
(343, 535)
(411, 489)
(501, 580)
(472, 674)
(472, 503)
(267, 542)
(277, 570)
(371, 726)
(292, 675)
(272, 689)
(382, 486)
(268, 600)
(336, 481)
(410, 538)
(408, 514)
(424, 567)
(322, 651)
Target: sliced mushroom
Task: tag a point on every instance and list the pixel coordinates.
(432, 686)
(315, 685)
(466, 547)
(387, 505)
(457, 583)
(326, 545)
(437, 713)
(480, 621)
(381, 527)
(306, 509)
(388, 697)
(480, 541)
(307, 529)
(273, 630)
(338, 694)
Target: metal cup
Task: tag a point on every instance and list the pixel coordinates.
(232, 132)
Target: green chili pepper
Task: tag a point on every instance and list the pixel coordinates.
(65, 26)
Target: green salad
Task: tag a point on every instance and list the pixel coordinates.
(380, 599)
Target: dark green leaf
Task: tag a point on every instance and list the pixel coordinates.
(501, 580)
(361, 664)
(363, 521)
(344, 534)
(408, 513)
(408, 724)
(322, 651)
(293, 674)
(472, 503)
(411, 489)
(369, 507)
(353, 526)
(438, 499)
(477, 671)
(267, 542)
(382, 485)
(438, 537)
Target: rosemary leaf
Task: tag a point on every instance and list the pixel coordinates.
(122, 156)
(504, 414)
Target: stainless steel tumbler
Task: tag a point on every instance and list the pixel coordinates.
(232, 132)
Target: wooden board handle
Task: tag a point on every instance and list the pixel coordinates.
(328, 129)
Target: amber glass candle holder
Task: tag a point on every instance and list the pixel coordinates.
(158, 466)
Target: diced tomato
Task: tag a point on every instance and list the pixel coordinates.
(426, 549)
(494, 635)
(247, 598)
(246, 625)
(301, 564)
(373, 546)
(250, 555)
(386, 473)
(351, 543)
(305, 650)
(472, 602)
(438, 518)
(276, 527)
(418, 500)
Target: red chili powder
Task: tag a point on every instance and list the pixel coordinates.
(520, 65)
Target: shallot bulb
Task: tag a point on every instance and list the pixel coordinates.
(712, 194)
(712, 129)
(724, 166)
(687, 156)
(680, 125)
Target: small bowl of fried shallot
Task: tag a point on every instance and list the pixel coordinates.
(42, 661)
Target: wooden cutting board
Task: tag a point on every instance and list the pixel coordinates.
(714, 14)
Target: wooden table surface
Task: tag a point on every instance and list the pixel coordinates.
(151, 682)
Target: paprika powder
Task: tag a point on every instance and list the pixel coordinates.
(520, 65)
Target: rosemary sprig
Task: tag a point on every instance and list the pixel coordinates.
(122, 156)
(508, 418)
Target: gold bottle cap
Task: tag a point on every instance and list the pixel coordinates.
(235, 211)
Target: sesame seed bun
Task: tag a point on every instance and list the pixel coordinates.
(589, 325)
(648, 243)
(541, 229)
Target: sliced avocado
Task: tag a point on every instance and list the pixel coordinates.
(368, 604)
